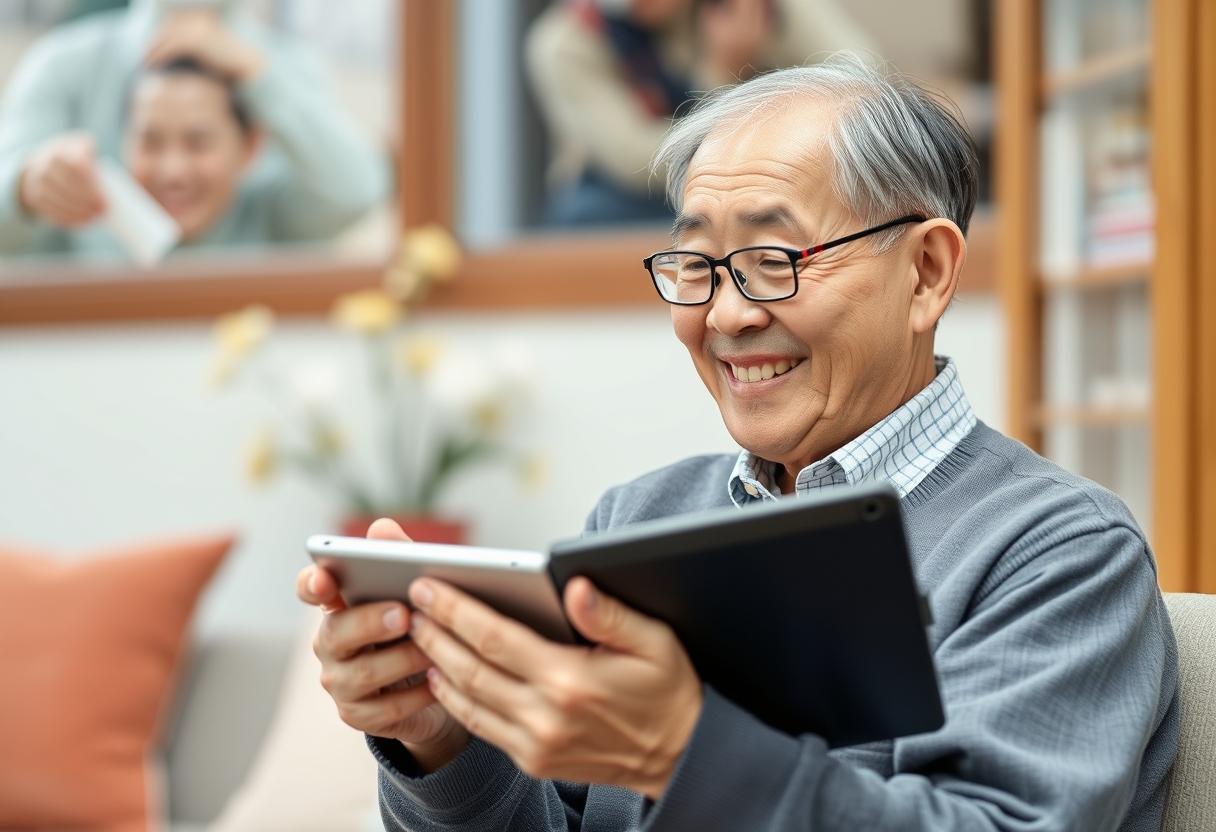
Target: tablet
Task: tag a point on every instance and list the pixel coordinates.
(803, 612)
(515, 583)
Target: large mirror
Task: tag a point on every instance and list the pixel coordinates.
(523, 126)
(563, 102)
(139, 135)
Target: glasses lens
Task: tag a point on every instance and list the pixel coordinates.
(764, 273)
(683, 277)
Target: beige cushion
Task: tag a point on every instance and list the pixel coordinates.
(313, 773)
(1191, 802)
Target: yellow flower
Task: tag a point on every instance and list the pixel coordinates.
(328, 440)
(368, 311)
(432, 251)
(533, 470)
(419, 354)
(428, 254)
(262, 460)
(490, 415)
(236, 335)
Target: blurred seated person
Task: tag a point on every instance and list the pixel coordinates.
(609, 76)
(229, 128)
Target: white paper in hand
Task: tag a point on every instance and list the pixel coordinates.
(145, 230)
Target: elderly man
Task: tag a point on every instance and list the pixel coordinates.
(820, 238)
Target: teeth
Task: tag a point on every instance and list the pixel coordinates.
(765, 371)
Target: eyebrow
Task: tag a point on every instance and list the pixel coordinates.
(779, 217)
(770, 217)
(685, 223)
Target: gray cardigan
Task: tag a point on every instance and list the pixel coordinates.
(1056, 659)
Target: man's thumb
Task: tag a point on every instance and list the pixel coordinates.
(606, 621)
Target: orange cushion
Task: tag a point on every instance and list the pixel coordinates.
(88, 654)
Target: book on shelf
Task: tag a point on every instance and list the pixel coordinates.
(1121, 217)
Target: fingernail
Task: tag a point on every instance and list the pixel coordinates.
(593, 598)
(432, 678)
(421, 594)
(312, 583)
(394, 620)
(415, 623)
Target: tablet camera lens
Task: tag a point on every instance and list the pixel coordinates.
(871, 510)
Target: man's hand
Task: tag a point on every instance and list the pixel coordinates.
(200, 34)
(735, 32)
(59, 182)
(364, 662)
(619, 713)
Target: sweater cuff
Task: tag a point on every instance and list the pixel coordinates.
(734, 767)
(475, 781)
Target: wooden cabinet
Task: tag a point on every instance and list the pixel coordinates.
(1106, 243)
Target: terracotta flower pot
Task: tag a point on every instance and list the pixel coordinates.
(420, 527)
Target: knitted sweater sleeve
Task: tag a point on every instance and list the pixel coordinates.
(1054, 685)
(480, 791)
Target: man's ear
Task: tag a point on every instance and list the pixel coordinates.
(253, 143)
(938, 262)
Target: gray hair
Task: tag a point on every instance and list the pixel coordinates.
(897, 149)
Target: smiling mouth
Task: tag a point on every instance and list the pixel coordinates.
(763, 372)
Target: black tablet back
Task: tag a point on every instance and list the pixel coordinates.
(803, 612)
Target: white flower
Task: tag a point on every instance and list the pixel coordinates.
(317, 384)
(516, 365)
(462, 380)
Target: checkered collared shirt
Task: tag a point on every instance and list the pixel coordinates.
(901, 449)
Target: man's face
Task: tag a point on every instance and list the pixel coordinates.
(846, 336)
(186, 148)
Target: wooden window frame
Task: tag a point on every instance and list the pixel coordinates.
(537, 271)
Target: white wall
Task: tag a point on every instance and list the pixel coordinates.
(111, 434)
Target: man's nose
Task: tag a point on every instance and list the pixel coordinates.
(174, 166)
(730, 311)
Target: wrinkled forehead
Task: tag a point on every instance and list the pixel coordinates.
(778, 157)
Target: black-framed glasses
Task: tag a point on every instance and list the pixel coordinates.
(761, 273)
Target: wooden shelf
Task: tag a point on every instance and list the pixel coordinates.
(1096, 71)
(1104, 278)
(1048, 416)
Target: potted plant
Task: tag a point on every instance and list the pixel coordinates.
(437, 410)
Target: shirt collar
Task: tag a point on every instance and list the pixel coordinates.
(901, 449)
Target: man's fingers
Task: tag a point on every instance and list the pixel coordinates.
(316, 586)
(606, 621)
(386, 529)
(382, 715)
(78, 204)
(348, 632)
(474, 675)
(370, 672)
(500, 640)
(477, 718)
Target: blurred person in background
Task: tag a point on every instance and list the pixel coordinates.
(609, 76)
(184, 94)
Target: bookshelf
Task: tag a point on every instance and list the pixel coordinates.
(1104, 183)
